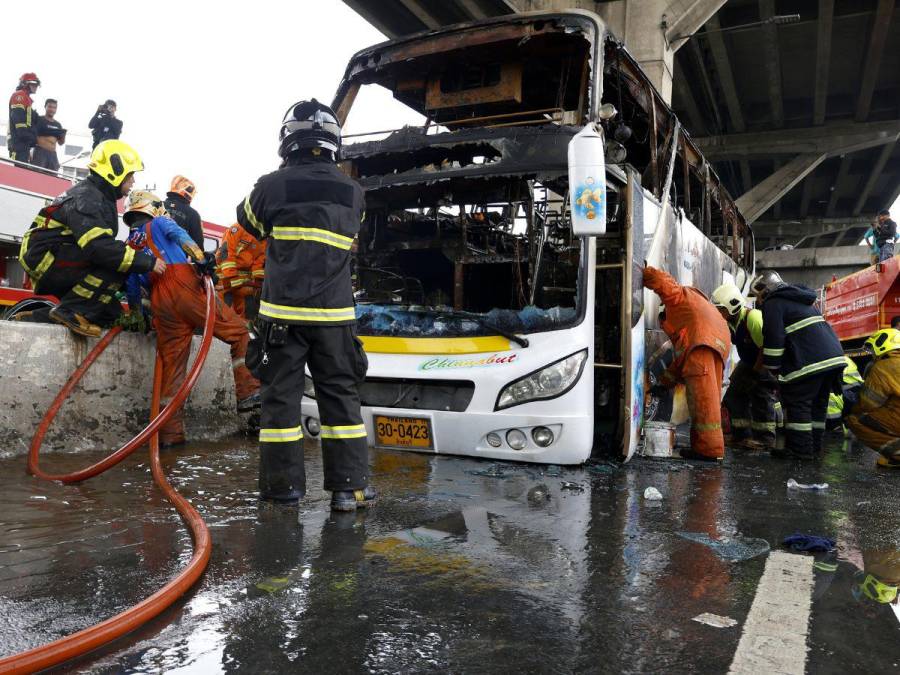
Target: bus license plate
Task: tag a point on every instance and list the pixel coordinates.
(403, 432)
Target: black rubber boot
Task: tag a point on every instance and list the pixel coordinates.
(350, 500)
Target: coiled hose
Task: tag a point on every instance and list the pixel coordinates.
(84, 641)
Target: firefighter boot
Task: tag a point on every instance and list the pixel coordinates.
(75, 322)
(350, 500)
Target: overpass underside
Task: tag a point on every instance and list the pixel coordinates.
(801, 117)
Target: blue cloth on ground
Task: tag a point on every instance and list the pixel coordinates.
(808, 542)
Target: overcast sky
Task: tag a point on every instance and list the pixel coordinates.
(201, 87)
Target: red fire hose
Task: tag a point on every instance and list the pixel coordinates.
(91, 638)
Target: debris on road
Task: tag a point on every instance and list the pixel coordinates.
(794, 485)
(732, 549)
(715, 620)
(810, 543)
(651, 494)
(574, 487)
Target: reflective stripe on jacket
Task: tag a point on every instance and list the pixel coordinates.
(85, 215)
(241, 258)
(797, 341)
(310, 212)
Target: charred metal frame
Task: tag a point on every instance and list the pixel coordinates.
(412, 168)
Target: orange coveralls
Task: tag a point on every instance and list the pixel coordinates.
(240, 262)
(702, 343)
(178, 305)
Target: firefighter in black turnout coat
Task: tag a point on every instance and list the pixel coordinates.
(310, 212)
(803, 350)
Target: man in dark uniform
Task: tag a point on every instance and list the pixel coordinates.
(803, 350)
(178, 204)
(22, 118)
(104, 125)
(71, 250)
(310, 211)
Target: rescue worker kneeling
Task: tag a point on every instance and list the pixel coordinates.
(700, 338)
(71, 250)
(752, 395)
(178, 305)
(851, 383)
(875, 419)
(310, 211)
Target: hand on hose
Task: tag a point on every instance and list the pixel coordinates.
(208, 266)
(193, 252)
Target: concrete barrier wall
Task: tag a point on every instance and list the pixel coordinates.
(112, 403)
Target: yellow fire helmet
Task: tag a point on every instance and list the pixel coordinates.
(113, 160)
(883, 341)
(143, 201)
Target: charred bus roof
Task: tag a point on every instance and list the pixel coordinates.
(502, 98)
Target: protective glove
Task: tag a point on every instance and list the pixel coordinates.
(208, 266)
(194, 253)
(133, 321)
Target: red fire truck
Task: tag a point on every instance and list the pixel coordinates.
(861, 303)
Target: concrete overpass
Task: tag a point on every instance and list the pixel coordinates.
(800, 117)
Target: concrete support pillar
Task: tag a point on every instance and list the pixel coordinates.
(651, 29)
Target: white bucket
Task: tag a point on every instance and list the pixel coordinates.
(659, 439)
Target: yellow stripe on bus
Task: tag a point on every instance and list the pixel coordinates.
(408, 345)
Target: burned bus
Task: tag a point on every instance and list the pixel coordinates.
(503, 314)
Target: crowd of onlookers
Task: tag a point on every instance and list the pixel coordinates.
(33, 138)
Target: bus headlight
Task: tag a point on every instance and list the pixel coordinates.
(308, 388)
(549, 382)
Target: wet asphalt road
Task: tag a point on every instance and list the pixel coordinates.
(464, 567)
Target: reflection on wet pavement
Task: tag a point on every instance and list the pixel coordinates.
(464, 566)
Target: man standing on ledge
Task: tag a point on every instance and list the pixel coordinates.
(700, 338)
(310, 211)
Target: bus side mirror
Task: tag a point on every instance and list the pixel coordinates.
(587, 182)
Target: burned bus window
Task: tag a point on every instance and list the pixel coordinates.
(470, 268)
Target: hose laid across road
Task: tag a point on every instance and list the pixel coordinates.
(84, 641)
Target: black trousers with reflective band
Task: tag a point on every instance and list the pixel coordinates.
(82, 286)
(805, 404)
(751, 399)
(337, 364)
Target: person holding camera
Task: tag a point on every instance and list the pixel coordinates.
(104, 125)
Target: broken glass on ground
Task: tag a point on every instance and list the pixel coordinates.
(732, 549)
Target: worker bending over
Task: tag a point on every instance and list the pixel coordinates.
(240, 263)
(875, 419)
(700, 338)
(310, 211)
(752, 396)
(178, 305)
(71, 250)
(803, 350)
(838, 403)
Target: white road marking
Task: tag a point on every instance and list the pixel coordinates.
(774, 635)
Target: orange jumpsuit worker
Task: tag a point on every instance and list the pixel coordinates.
(179, 307)
(700, 337)
(239, 265)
